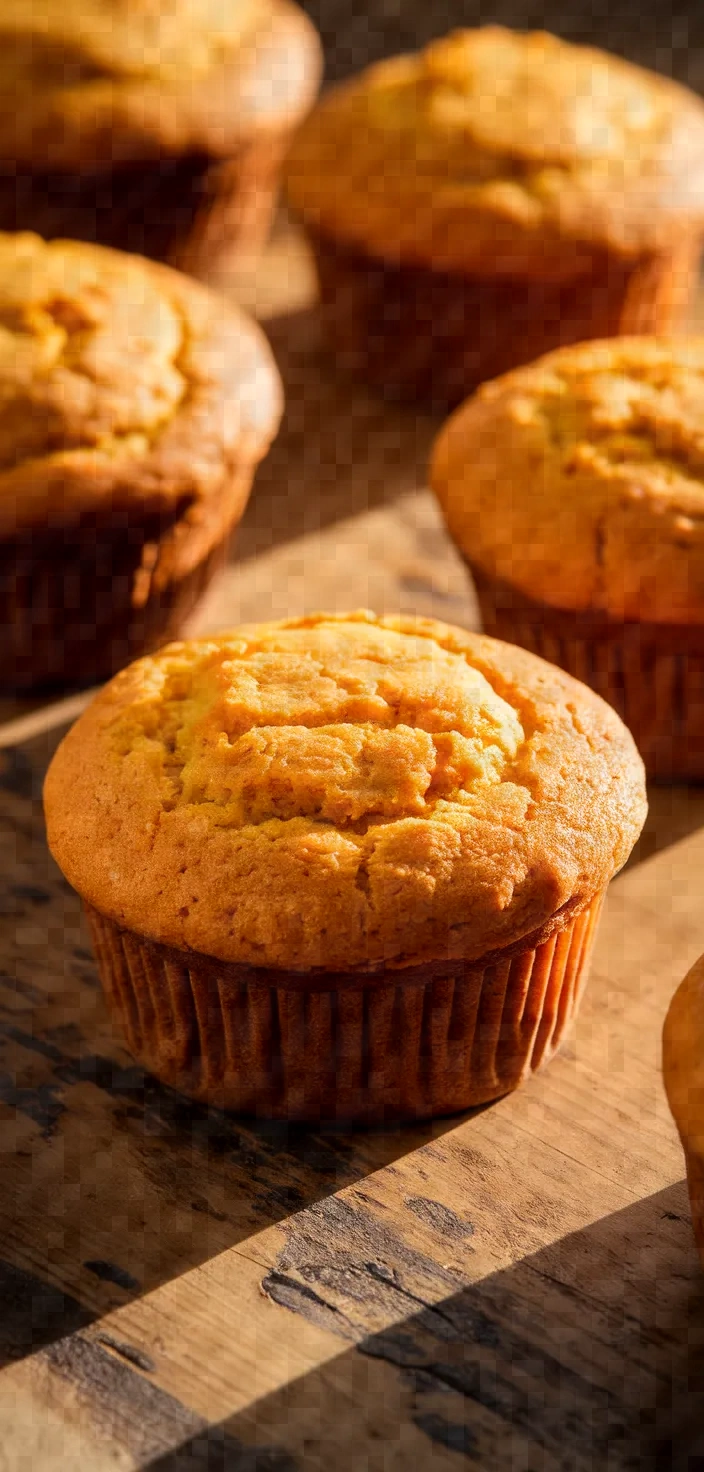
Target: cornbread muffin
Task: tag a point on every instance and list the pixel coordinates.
(495, 196)
(683, 1073)
(575, 490)
(134, 408)
(151, 128)
(344, 867)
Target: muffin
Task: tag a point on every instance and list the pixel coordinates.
(494, 197)
(575, 490)
(152, 129)
(683, 1073)
(343, 867)
(134, 408)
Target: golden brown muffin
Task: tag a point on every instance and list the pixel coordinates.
(151, 128)
(493, 197)
(134, 408)
(344, 866)
(575, 490)
(683, 1073)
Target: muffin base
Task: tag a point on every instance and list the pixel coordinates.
(76, 602)
(199, 216)
(652, 674)
(419, 334)
(412, 1043)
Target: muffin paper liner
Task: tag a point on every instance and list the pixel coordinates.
(652, 674)
(432, 1040)
(71, 607)
(433, 336)
(199, 216)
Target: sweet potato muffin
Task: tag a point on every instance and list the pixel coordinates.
(575, 490)
(493, 197)
(344, 867)
(683, 1073)
(152, 128)
(134, 408)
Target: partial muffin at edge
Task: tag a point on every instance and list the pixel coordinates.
(161, 131)
(574, 487)
(683, 1076)
(580, 479)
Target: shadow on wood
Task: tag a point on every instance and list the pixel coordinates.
(340, 451)
(111, 1183)
(674, 812)
(541, 1366)
(111, 1187)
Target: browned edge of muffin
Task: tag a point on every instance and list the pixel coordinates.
(401, 973)
(651, 673)
(682, 1079)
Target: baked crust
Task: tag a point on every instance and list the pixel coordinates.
(500, 153)
(343, 792)
(123, 382)
(89, 86)
(683, 1058)
(580, 479)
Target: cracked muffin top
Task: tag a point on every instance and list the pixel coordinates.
(579, 480)
(106, 81)
(494, 151)
(343, 793)
(122, 380)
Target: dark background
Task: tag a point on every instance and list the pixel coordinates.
(667, 37)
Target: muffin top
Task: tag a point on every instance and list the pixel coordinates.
(343, 793)
(683, 1057)
(121, 380)
(579, 480)
(493, 151)
(111, 81)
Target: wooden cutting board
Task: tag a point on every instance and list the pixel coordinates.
(515, 1290)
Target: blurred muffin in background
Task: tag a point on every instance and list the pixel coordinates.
(575, 490)
(134, 408)
(493, 197)
(151, 128)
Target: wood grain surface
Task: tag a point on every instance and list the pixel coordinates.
(516, 1289)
